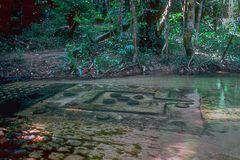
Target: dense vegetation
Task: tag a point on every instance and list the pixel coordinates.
(101, 36)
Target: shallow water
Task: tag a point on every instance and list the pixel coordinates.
(160, 117)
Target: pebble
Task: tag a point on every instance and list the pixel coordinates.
(109, 101)
(65, 149)
(20, 152)
(36, 154)
(74, 157)
(138, 97)
(56, 156)
(57, 140)
(31, 137)
(133, 103)
(117, 117)
(82, 151)
(74, 142)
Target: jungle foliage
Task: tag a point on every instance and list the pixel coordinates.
(100, 36)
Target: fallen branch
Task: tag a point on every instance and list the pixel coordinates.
(13, 41)
(109, 34)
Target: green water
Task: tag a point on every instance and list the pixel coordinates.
(221, 90)
(177, 117)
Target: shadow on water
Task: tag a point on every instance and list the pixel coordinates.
(20, 98)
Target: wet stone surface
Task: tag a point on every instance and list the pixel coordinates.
(94, 121)
(22, 95)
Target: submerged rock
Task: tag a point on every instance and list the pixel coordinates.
(123, 99)
(109, 101)
(115, 95)
(56, 156)
(65, 149)
(117, 117)
(36, 154)
(69, 94)
(74, 142)
(133, 103)
(138, 97)
(74, 157)
(20, 152)
(102, 116)
(82, 151)
(57, 140)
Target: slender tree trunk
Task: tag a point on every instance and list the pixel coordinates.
(198, 23)
(134, 26)
(120, 18)
(226, 49)
(74, 26)
(197, 30)
(164, 16)
(167, 29)
(215, 17)
(189, 27)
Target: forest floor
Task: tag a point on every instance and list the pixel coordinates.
(48, 64)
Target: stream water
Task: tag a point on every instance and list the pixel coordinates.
(151, 117)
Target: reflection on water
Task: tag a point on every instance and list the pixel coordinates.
(184, 130)
(222, 100)
(225, 94)
(219, 90)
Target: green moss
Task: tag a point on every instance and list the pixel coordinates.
(137, 146)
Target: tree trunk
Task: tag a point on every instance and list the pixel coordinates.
(189, 16)
(228, 45)
(198, 23)
(120, 18)
(197, 29)
(215, 17)
(164, 16)
(134, 27)
(166, 36)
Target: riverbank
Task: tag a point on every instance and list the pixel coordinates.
(49, 64)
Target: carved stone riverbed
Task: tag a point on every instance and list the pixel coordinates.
(119, 120)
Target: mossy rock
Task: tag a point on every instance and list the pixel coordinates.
(109, 101)
(69, 94)
(133, 103)
(123, 99)
(115, 95)
(138, 96)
